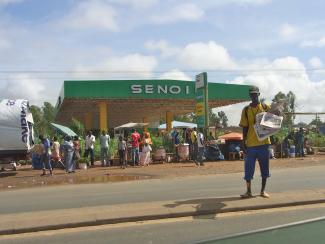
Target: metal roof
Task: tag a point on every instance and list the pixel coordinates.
(131, 100)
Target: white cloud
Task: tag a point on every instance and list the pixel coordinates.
(6, 2)
(314, 43)
(182, 12)
(213, 3)
(286, 74)
(24, 86)
(131, 66)
(288, 32)
(95, 14)
(4, 44)
(162, 46)
(175, 74)
(315, 62)
(137, 4)
(207, 56)
(252, 2)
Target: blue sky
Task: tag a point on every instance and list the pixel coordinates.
(277, 45)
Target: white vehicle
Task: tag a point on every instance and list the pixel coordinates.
(16, 131)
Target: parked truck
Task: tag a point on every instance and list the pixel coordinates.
(16, 131)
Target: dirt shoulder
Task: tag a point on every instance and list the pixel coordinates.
(26, 177)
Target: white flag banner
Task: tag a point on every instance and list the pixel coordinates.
(267, 124)
(16, 125)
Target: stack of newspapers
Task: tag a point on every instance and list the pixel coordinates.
(267, 124)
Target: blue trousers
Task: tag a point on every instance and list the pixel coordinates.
(260, 153)
(135, 155)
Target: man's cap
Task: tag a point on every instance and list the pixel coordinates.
(254, 89)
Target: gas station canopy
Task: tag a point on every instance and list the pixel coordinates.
(109, 103)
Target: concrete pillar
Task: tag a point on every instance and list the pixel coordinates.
(88, 119)
(102, 106)
(169, 119)
(145, 120)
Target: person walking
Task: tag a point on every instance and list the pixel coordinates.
(104, 148)
(89, 147)
(135, 147)
(121, 145)
(46, 155)
(146, 151)
(253, 148)
(200, 147)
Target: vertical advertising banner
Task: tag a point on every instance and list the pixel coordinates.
(201, 96)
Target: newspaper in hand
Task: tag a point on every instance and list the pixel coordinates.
(266, 125)
(271, 120)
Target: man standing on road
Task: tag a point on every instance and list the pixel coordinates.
(253, 148)
(89, 147)
(135, 147)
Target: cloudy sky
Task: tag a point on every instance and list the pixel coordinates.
(277, 45)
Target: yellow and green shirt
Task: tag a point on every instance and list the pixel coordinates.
(248, 120)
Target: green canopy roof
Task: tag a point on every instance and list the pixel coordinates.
(64, 130)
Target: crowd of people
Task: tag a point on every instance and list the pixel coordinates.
(51, 152)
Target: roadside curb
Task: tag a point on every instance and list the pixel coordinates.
(116, 215)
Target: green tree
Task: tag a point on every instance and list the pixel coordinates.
(43, 117)
(317, 121)
(213, 118)
(224, 119)
(289, 100)
(77, 127)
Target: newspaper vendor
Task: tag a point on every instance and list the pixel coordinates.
(254, 149)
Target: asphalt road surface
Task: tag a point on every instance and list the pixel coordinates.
(183, 230)
(75, 196)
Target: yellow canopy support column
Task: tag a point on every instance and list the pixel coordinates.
(88, 119)
(145, 120)
(169, 119)
(102, 106)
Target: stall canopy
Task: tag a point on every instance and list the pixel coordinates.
(178, 124)
(232, 136)
(131, 125)
(63, 130)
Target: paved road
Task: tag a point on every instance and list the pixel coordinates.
(185, 230)
(75, 196)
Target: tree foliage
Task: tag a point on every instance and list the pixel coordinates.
(289, 100)
(43, 117)
(77, 127)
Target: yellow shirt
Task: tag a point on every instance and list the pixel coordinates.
(248, 120)
(193, 136)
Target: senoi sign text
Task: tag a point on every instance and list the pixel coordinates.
(159, 89)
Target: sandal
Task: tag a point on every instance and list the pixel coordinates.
(246, 195)
(265, 195)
